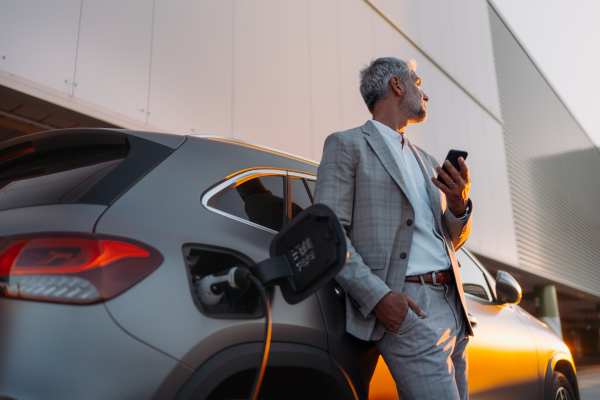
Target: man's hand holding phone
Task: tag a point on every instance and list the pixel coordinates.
(455, 183)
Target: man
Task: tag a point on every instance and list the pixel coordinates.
(403, 226)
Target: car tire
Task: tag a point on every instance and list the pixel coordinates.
(560, 388)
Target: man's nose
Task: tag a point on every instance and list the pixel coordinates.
(425, 97)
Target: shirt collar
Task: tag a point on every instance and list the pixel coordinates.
(389, 132)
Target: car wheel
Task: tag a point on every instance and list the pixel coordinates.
(560, 388)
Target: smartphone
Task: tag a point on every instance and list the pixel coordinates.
(453, 158)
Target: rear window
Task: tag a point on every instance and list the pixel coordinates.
(57, 177)
(258, 200)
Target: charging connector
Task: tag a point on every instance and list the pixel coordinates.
(211, 288)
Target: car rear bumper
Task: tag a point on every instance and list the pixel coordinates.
(54, 351)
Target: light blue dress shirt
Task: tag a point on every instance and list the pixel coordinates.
(428, 251)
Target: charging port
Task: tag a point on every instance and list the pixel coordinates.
(203, 260)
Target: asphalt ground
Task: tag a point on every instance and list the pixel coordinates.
(588, 378)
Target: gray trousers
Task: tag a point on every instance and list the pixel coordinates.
(428, 356)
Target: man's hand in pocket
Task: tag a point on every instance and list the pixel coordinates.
(392, 309)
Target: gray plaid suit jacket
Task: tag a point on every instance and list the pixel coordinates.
(359, 179)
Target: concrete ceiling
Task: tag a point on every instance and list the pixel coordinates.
(21, 114)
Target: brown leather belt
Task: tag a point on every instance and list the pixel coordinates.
(432, 278)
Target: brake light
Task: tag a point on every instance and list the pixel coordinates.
(16, 152)
(72, 268)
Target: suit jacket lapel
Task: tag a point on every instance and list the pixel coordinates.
(433, 192)
(380, 147)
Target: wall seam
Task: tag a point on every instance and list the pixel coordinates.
(339, 62)
(76, 49)
(310, 83)
(150, 62)
(232, 68)
(373, 35)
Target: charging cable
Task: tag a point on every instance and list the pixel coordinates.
(211, 288)
(267, 341)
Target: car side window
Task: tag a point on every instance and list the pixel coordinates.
(258, 199)
(301, 198)
(473, 279)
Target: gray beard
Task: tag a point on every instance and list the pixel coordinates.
(412, 107)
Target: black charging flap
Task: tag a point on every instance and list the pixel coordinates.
(314, 248)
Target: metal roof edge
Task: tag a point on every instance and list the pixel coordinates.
(537, 67)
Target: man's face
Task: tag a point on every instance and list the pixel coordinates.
(413, 102)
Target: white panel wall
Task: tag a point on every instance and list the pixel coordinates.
(39, 40)
(456, 35)
(383, 37)
(481, 49)
(325, 81)
(505, 242)
(356, 49)
(286, 74)
(113, 59)
(428, 32)
(271, 101)
(192, 68)
(404, 13)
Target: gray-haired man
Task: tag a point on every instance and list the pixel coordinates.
(402, 283)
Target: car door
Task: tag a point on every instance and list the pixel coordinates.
(502, 355)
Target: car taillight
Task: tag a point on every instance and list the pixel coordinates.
(72, 268)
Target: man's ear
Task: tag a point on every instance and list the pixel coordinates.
(397, 86)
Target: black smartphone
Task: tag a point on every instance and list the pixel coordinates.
(453, 158)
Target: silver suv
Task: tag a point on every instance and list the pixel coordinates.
(104, 235)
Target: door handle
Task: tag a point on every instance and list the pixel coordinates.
(472, 321)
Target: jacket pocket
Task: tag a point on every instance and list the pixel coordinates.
(375, 260)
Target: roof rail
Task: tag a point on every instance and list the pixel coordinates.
(256, 146)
